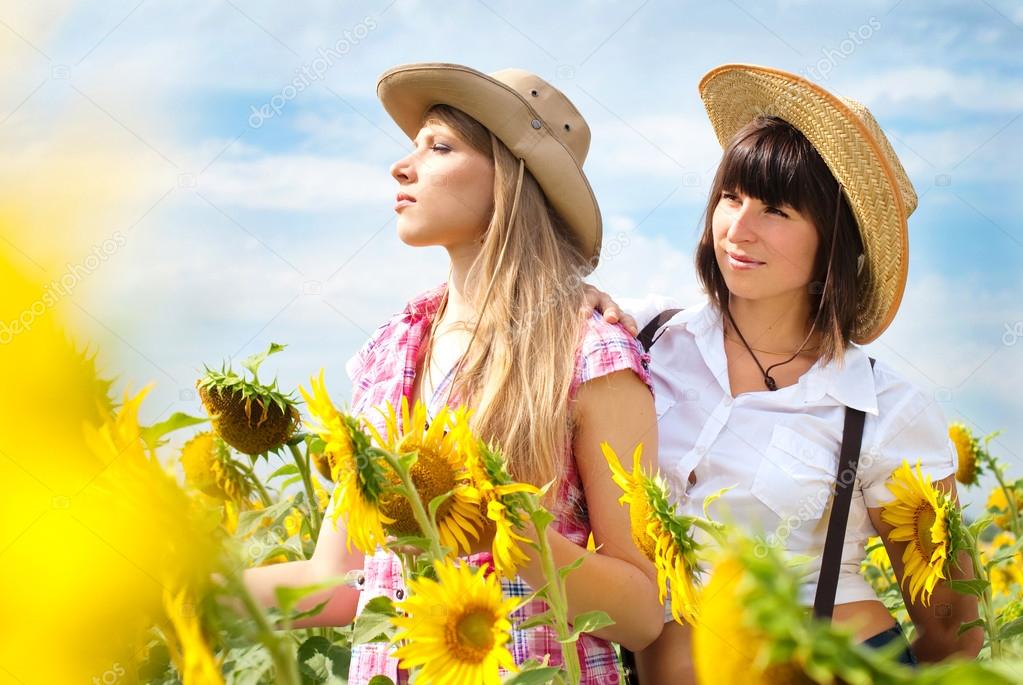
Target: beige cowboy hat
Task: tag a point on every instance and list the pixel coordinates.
(855, 149)
(533, 118)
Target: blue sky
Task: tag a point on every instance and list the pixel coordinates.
(240, 234)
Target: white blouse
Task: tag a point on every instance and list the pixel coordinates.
(780, 449)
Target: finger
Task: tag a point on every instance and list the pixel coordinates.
(630, 325)
(611, 312)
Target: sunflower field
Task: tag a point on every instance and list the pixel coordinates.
(139, 576)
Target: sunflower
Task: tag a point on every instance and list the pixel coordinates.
(437, 470)
(998, 505)
(921, 515)
(1004, 576)
(500, 497)
(456, 627)
(726, 649)
(361, 483)
(663, 536)
(207, 463)
(876, 567)
(968, 450)
(878, 554)
(191, 654)
(330, 426)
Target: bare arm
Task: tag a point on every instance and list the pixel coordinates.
(331, 558)
(938, 623)
(618, 579)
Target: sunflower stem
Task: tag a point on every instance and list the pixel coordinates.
(304, 468)
(987, 604)
(282, 655)
(250, 473)
(418, 510)
(557, 599)
(1010, 499)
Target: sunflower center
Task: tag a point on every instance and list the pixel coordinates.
(925, 519)
(433, 475)
(471, 637)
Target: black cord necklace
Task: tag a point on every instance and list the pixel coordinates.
(771, 384)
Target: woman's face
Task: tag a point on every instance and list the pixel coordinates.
(446, 193)
(763, 251)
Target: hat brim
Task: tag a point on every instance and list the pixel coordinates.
(735, 94)
(408, 92)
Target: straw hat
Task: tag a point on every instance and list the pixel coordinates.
(858, 154)
(533, 118)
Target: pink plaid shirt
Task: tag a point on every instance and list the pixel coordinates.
(384, 371)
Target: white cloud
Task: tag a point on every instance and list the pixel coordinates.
(914, 85)
(297, 182)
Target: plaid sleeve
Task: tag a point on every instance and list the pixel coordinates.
(356, 366)
(605, 348)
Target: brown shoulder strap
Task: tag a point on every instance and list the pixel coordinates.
(831, 561)
(646, 336)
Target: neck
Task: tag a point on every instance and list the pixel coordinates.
(777, 324)
(459, 308)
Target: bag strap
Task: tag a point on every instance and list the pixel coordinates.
(648, 336)
(831, 560)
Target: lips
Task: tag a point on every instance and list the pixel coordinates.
(745, 260)
(403, 200)
(742, 262)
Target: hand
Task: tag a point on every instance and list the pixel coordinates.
(599, 301)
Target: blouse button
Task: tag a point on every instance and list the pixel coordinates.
(399, 594)
(701, 450)
(612, 678)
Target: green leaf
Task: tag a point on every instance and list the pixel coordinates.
(380, 680)
(975, 587)
(252, 362)
(541, 518)
(1011, 629)
(286, 470)
(545, 618)
(978, 526)
(321, 661)
(591, 621)
(248, 521)
(310, 612)
(151, 434)
(535, 676)
(436, 502)
(373, 624)
(417, 541)
(977, 622)
(568, 568)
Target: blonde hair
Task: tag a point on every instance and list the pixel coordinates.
(518, 371)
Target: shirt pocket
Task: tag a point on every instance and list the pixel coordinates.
(796, 476)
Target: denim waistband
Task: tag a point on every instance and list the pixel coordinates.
(893, 634)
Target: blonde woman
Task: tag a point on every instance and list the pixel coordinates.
(803, 258)
(495, 178)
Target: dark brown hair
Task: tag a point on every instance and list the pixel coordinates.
(768, 159)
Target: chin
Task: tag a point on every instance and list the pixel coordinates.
(414, 236)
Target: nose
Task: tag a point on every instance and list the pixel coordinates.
(740, 230)
(403, 171)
